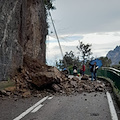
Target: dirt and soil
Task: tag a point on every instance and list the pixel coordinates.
(36, 79)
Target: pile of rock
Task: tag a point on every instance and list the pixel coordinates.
(34, 78)
(74, 84)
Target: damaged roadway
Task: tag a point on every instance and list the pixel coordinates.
(35, 80)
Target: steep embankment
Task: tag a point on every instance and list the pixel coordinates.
(23, 30)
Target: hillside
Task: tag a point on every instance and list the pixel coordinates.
(114, 55)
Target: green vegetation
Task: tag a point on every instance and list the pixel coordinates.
(105, 61)
(49, 4)
(5, 84)
(70, 59)
(84, 51)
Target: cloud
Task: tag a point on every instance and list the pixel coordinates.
(86, 16)
(117, 34)
(101, 44)
(91, 21)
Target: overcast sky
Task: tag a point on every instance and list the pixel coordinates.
(96, 22)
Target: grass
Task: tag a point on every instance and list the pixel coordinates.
(6, 84)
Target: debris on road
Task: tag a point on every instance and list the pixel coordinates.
(36, 78)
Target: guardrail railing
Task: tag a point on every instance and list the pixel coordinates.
(112, 69)
(111, 73)
(108, 72)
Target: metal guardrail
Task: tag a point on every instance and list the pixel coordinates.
(113, 74)
(109, 72)
(114, 79)
(112, 69)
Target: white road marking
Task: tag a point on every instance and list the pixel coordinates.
(30, 109)
(111, 106)
(37, 108)
(50, 98)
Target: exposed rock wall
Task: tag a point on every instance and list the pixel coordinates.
(23, 31)
(114, 55)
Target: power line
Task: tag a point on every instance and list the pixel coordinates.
(64, 39)
(56, 33)
(57, 38)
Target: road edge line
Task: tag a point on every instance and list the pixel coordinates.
(111, 107)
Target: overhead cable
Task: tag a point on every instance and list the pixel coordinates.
(57, 38)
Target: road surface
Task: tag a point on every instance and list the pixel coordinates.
(85, 106)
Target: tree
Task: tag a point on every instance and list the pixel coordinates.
(105, 61)
(70, 61)
(85, 50)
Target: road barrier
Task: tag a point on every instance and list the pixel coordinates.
(108, 72)
(112, 75)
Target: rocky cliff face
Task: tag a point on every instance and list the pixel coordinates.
(23, 31)
(114, 55)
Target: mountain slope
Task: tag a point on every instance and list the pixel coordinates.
(114, 55)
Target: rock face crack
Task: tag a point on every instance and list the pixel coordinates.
(9, 18)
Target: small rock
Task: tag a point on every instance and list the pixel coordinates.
(3, 92)
(73, 83)
(26, 94)
(10, 89)
(56, 87)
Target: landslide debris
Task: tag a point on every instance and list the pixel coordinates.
(38, 79)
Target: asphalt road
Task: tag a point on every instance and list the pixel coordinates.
(85, 106)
